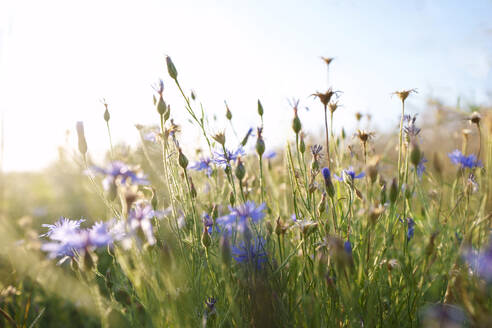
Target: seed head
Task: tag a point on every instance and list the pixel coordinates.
(332, 106)
(326, 96)
(403, 94)
(358, 116)
(364, 136)
(327, 60)
(220, 138)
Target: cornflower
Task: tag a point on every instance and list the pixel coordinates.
(238, 216)
(470, 161)
(224, 159)
(480, 262)
(348, 176)
(119, 171)
(140, 218)
(252, 252)
(203, 164)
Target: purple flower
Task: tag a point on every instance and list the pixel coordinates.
(470, 161)
(347, 246)
(411, 228)
(224, 159)
(349, 175)
(152, 136)
(238, 216)
(269, 154)
(140, 217)
(252, 252)
(203, 164)
(119, 171)
(481, 262)
(209, 223)
(67, 239)
(421, 167)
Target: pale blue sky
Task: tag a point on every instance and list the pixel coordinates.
(59, 58)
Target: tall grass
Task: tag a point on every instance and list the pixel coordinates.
(363, 237)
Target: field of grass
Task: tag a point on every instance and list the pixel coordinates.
(338, 230)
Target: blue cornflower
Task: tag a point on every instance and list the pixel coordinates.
(119, 171)
(152, 136)
(67, 238)
(203, 164)
(481, 262)
(238, 216)
(411, 228)
(470, 161)
(208, 222)
(421, 167)
(140, 217)
(348, 175)
(347, 246)
(269, 154)
(224, 159)
(250, 252)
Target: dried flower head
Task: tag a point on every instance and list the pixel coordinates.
(363, 135)
(220, 137)
(326, 96)
(358, 116)
(403, 94)
(327, 60)
(475, 118)
(333, 106)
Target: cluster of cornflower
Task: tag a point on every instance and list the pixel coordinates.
(480, 262)
(464, 161)
(67, 239)
(119, 172)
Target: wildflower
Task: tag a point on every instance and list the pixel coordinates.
(246, 137)
(347, 246)
(471, 183)
(403, 94)
(208, 223)
(470, 161)
(260, 108)
(325, 97)
(364, 136)
(327, 60)
(239, 215)
(348, 176)
(332, 106)
(228, 111)
(411, 228)
(410, 129)
(270, 154)
(119, 171)
(106, 116)
(480, 262)
(240, 170)
(306, 226)
(171, 69)
(358, 116)
(475, 118)
(224, 159)
(421, 167)
(316, 151)
(67, 239)
(152, 136)
(252, 252)
(220, 138)
(203, 164)
(330, 189)
(210, 303)
(260, 143)
(140, 217)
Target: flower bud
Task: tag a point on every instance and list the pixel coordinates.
(415, 155)
(106, 115)
(322, 204)
(192, 189)
(154, 201)
(182, 160)
(171, 69)
(228, 113)
(260, 145)
(240, 170)
(260, 108)
(269, 227)
(232, 198)
(81, 138)
(393, 191)
(161, 106)
(278, 227)
(330, 189)
(296, 124)
(206, 240)
(302, 145)
(225, 250)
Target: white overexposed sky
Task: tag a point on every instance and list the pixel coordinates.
(58, 59)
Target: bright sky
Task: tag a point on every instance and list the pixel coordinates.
(59, 58)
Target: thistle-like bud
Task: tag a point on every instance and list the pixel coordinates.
(415, 154)
(322, 204)
(393, 195)
(302, 144)
(269, 227)
(167, 114)
(240, 170)
(343, 133)
(382, 195)
(260, 144)
(206, 240)
(260, 108)
(171, 69)
(106, 113)
(228, 112)
(81, 138)
(182, 160)
(192, 189)
(278, 226)
(161, 106)
(193, 96)
(330, 189)
(154, 201)
(296, 123)
(232, 198)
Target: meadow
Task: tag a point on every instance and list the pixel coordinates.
(339, 229)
